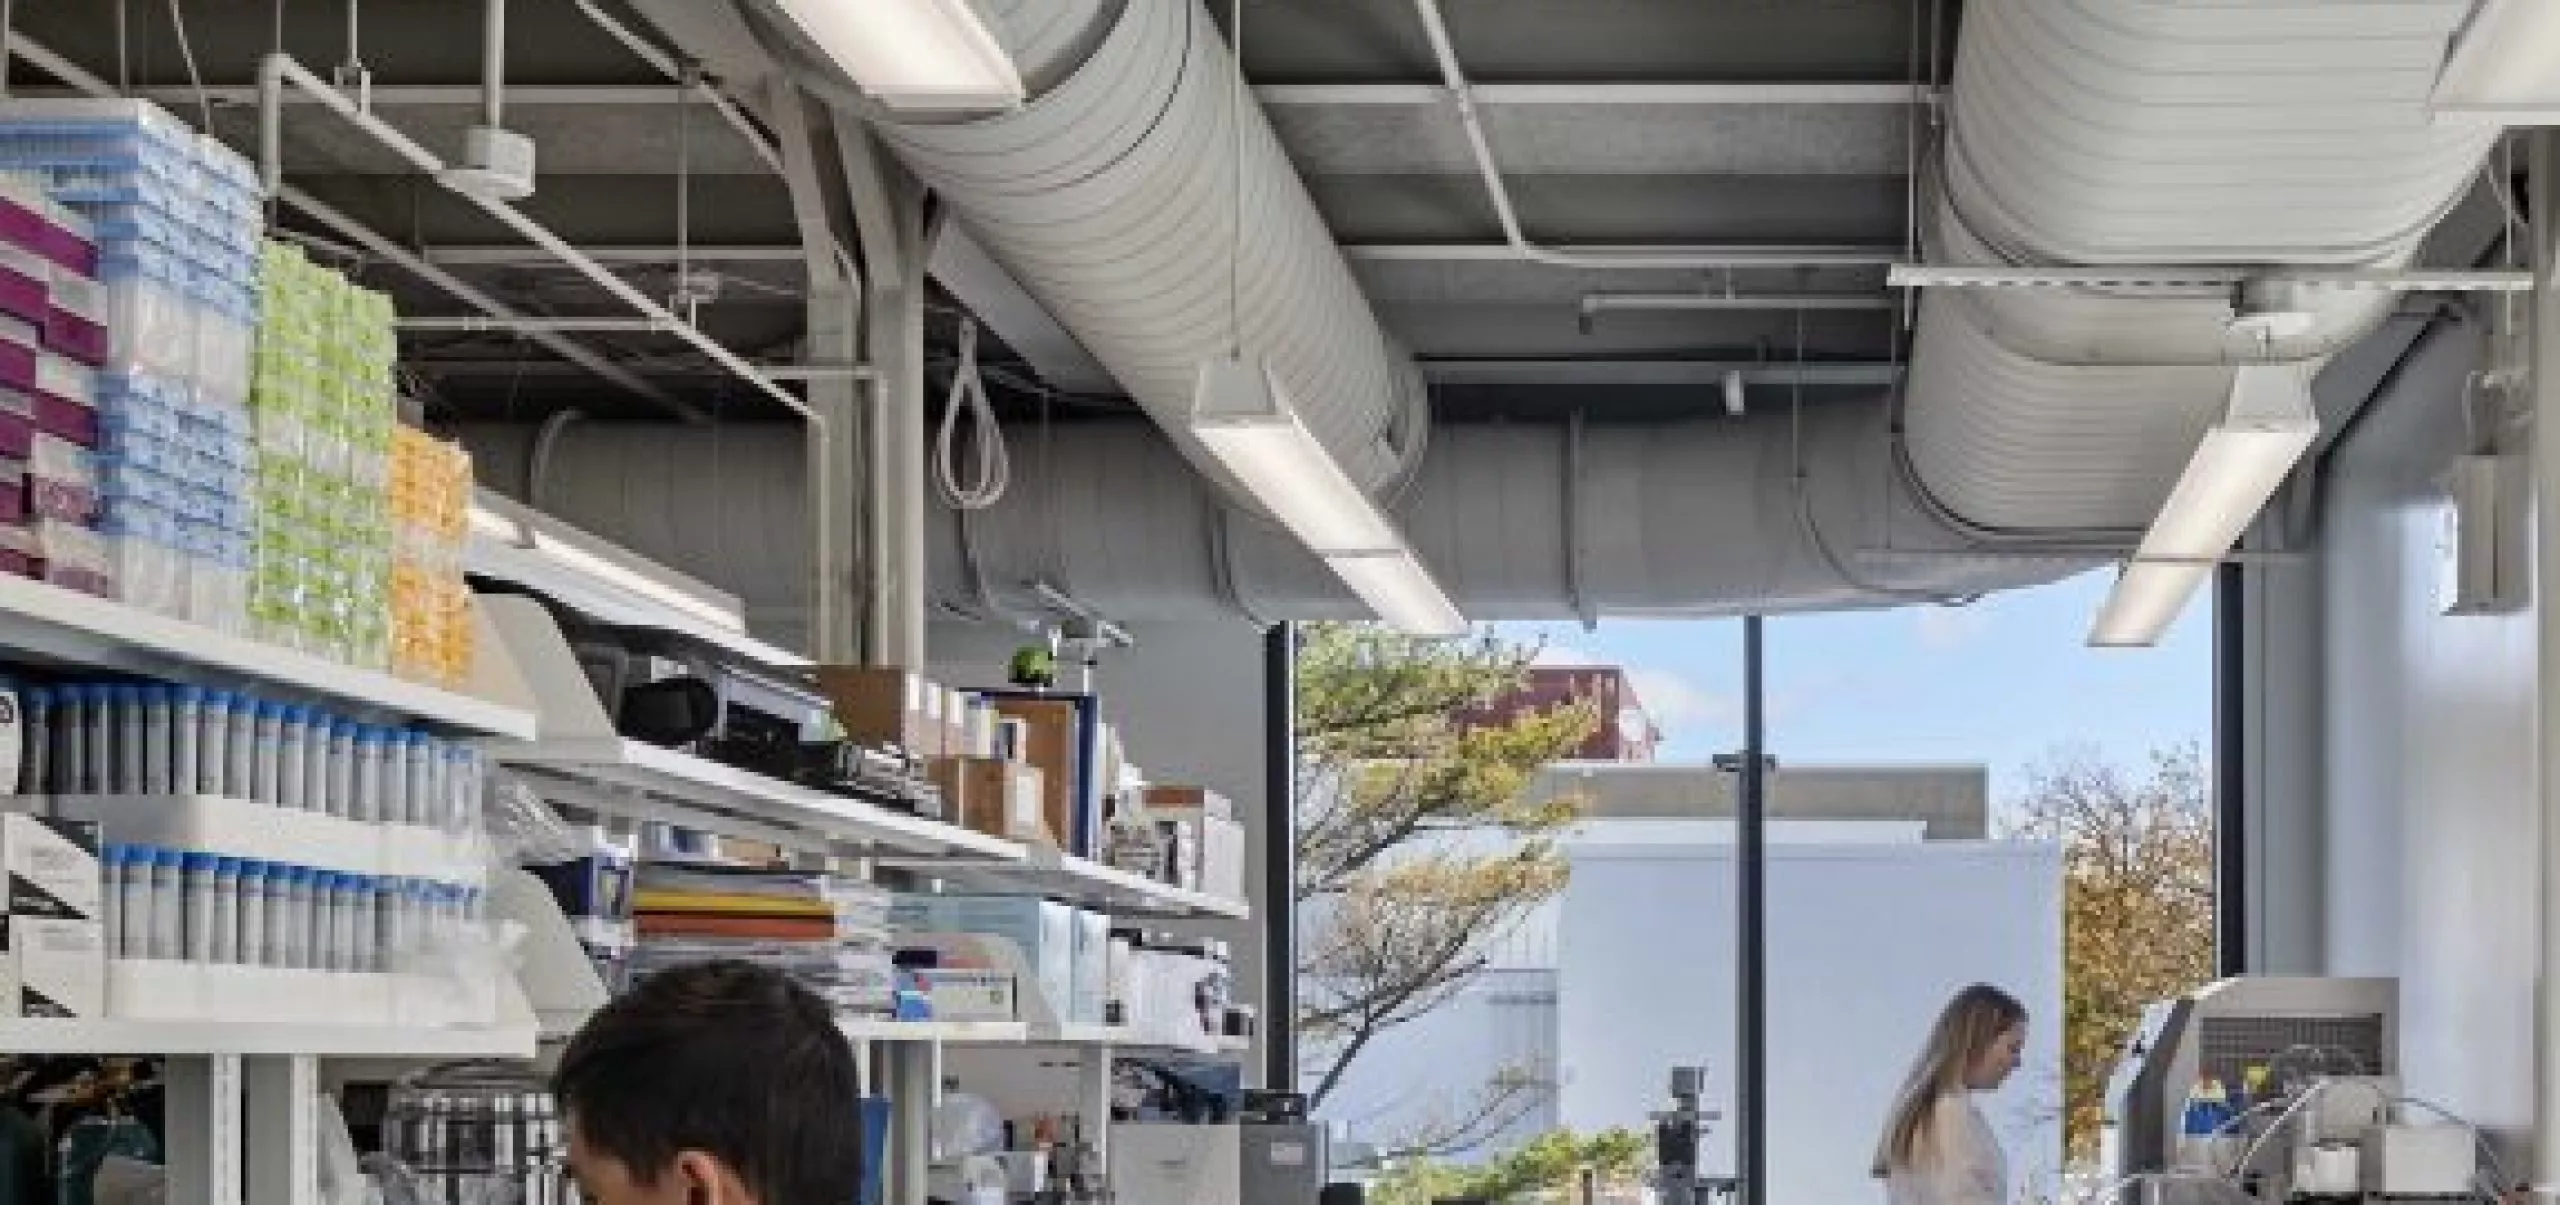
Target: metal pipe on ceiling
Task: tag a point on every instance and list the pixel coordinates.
(1497, 188)
(480, 323)
(278, 71)
(1598, 303)
(493, 64)
(373, 242)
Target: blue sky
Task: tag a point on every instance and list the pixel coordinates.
(2006, 681)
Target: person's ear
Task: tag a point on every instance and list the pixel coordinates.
(708, 1180)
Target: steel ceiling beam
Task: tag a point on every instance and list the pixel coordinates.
(1735, 255)
(1390, 95)
(1656, 372)
(1673, 95)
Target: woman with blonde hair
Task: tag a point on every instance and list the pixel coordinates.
(1937, 1149)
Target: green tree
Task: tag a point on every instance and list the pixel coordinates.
(1550, 1167)
(2137, 900)
(1399, 911)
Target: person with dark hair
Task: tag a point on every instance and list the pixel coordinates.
(720, 1083)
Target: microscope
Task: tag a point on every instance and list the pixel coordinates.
(1679, 1136)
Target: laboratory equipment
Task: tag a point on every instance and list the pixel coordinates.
(1679, 1140)
(2316, 1053)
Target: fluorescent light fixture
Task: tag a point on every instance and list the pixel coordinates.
(912, 54)
(1244, 417)
(1401, 592)
(2147, 598)
(2236, 469)
(2505, 65)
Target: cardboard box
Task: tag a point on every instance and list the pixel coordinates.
(993, 796)
(1053, 742)
(951, 776)
(1172, 798)
(879, 706)
(1011, 801)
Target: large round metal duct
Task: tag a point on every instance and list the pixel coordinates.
(1703, 518)
(1113, 198)
(2093, 132)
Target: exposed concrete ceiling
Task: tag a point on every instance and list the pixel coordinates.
(1776, 122)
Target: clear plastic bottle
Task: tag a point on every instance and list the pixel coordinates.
(186, 739)
(293, 733)
(389, 917)
(268, 762)
(392, 805)
(240, 748)
(323, 950)
(213, 745)
(257, 886)
(168, 906)
(421, 761)
(315, 761)
(141, 863)
(35, 767)
(342, 768)
(346, 917)
(111, 901)
(282, 932)
(196, 880)
(368, 797)
(159, 715)
(132, 720)
(437, 761)
(469, 770)
(226, 910)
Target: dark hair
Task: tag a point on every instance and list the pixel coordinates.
(727, 1058)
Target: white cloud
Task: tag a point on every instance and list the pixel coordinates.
(1675, 702)
(1946, 629)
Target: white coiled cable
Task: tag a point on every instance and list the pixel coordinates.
(990, 464)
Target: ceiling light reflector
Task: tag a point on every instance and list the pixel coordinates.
(1400, 590)
(2238, 466)
(1244, 417)
(912, 54)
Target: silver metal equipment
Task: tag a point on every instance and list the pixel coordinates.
(1679, 1138)
(2292, 1032)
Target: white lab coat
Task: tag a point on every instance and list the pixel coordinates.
(1959, 1161)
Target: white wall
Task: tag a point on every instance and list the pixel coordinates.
(2429, 762)
(1866, 943)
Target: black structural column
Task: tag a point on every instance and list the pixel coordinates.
(1751, 1028)
(2230, 771)
(1280, 859)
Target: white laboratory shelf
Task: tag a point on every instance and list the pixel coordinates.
(1094, 885)
(36, 1035)
(762, 806)
(968, 1033)
(69, 628)
(1043, 870)
(1131, 1040)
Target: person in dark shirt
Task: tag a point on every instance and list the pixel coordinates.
(720, 1083)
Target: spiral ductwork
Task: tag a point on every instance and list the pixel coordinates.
(2080, 133)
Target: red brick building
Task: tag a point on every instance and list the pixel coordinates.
(1625, 733)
